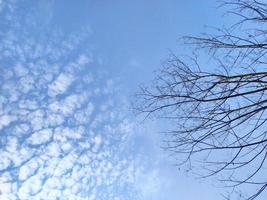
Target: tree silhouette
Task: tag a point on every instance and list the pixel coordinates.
(219, 115)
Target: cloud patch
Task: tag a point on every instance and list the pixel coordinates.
(64, 135)
(60, 84)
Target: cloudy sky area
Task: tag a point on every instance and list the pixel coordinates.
(67, 73)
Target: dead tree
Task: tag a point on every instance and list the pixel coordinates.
(218, 112)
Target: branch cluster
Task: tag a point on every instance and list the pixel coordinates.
(220, 117)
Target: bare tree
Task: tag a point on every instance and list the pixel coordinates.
(219, 115)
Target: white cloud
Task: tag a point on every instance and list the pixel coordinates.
(40, 137)
(84, 59)
(25, 84)
(20, 70)
(149, 183)
(27, 170)
(5, 120)
(68, 105)
(56, 141)
(60, 84)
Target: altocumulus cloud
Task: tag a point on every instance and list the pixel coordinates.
(63, 134)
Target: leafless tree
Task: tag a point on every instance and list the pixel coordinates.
(218, 112)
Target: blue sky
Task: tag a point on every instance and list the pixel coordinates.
(68, 70)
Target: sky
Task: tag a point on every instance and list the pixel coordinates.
(68, 70)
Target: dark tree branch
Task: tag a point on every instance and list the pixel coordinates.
(219, 117)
